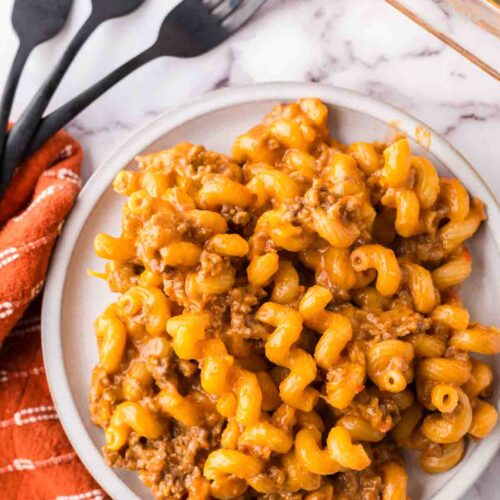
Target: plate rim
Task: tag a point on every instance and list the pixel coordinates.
(99, 182)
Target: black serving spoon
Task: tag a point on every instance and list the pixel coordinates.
(34, 21)
(25, 127)
(191, 29)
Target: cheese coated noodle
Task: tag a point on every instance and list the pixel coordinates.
(288, 318)
(385, 263)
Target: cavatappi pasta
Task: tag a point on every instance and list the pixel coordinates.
(288, 318)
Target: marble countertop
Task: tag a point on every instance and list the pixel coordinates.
(364, 45)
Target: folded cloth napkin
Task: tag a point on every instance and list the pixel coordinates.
(36, 459)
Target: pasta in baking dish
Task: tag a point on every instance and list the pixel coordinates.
(288, 318)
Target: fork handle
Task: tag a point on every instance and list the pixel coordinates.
(23, 130)
(61, 116)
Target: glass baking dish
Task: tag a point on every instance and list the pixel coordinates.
(471, 27)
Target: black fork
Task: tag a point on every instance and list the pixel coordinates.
(189, 30)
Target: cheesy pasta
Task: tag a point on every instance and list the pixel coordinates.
(287, 318)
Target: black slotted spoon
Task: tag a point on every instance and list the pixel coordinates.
(34, 21)
(191, 29)
(21, 134)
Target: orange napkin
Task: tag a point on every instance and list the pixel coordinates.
(36, 459)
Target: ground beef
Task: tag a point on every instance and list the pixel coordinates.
(168, 465)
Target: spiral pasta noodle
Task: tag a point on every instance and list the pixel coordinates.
(288, 318)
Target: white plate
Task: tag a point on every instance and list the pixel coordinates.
(72, 299)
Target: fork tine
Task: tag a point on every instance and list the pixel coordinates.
(211, 3)
(225, 8)
(240, 16)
